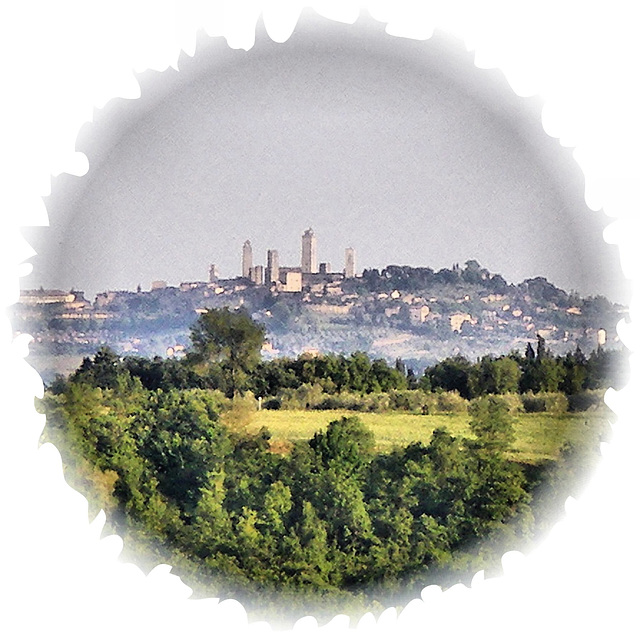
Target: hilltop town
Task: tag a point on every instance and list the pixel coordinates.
(414, 313)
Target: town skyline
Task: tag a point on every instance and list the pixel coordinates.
(443, 164)
(285, 278)
(271, 271)
(414, 313)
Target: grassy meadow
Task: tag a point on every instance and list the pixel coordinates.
(539, 436)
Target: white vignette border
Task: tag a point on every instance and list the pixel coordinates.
(64, 59)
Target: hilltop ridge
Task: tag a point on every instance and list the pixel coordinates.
(415, 313)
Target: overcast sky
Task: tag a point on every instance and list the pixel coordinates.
(400, 149)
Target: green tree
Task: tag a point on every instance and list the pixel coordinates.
(575, 374)
(308, 559)
(542, 352)
(277, 504)
(347, 444)
(553, 373)
(384, 378)
(498, 492)
(543, 372)
(451, 374)
(211, 526)
(607, 368)
(495, 376)
(443, 496)
(359, 367)
(230, 339)
(492, 424)
(506, 375)
(102, 371)
(183, 445)
(342, 505)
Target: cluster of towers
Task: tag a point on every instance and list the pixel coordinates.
(274, 273)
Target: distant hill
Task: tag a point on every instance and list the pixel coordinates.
(415, 313)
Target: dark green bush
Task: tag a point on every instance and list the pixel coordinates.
(272, 404)
(587, 400)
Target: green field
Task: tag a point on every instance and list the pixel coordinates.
(539, 436)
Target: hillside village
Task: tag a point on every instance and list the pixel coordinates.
(414, 313)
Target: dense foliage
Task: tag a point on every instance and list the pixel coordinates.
(332, 516)
(229, 340)
(534, 372)
(235, 371)
(161, 447)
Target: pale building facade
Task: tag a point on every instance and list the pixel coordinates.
(457, 320)
(418, 314)
(292, 282)
(42, 296)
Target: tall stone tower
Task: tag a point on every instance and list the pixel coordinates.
(273, 266)
(309, 262)
(349, 262)
(247, 259)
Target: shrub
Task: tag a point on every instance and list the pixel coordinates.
(272, 404)
(533, 403)
(215, 399)
(374, 402)
(554, 402)
(332, 402)
(410, 400)
(307, 396)
(586, 400)
(447, 402)
(239, 414)
(492, 423)
(377, 402)
(512, 401)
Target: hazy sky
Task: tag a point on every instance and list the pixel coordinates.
(401, 149)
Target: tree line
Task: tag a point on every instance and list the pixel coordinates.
(537, 370)
(225, 355)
